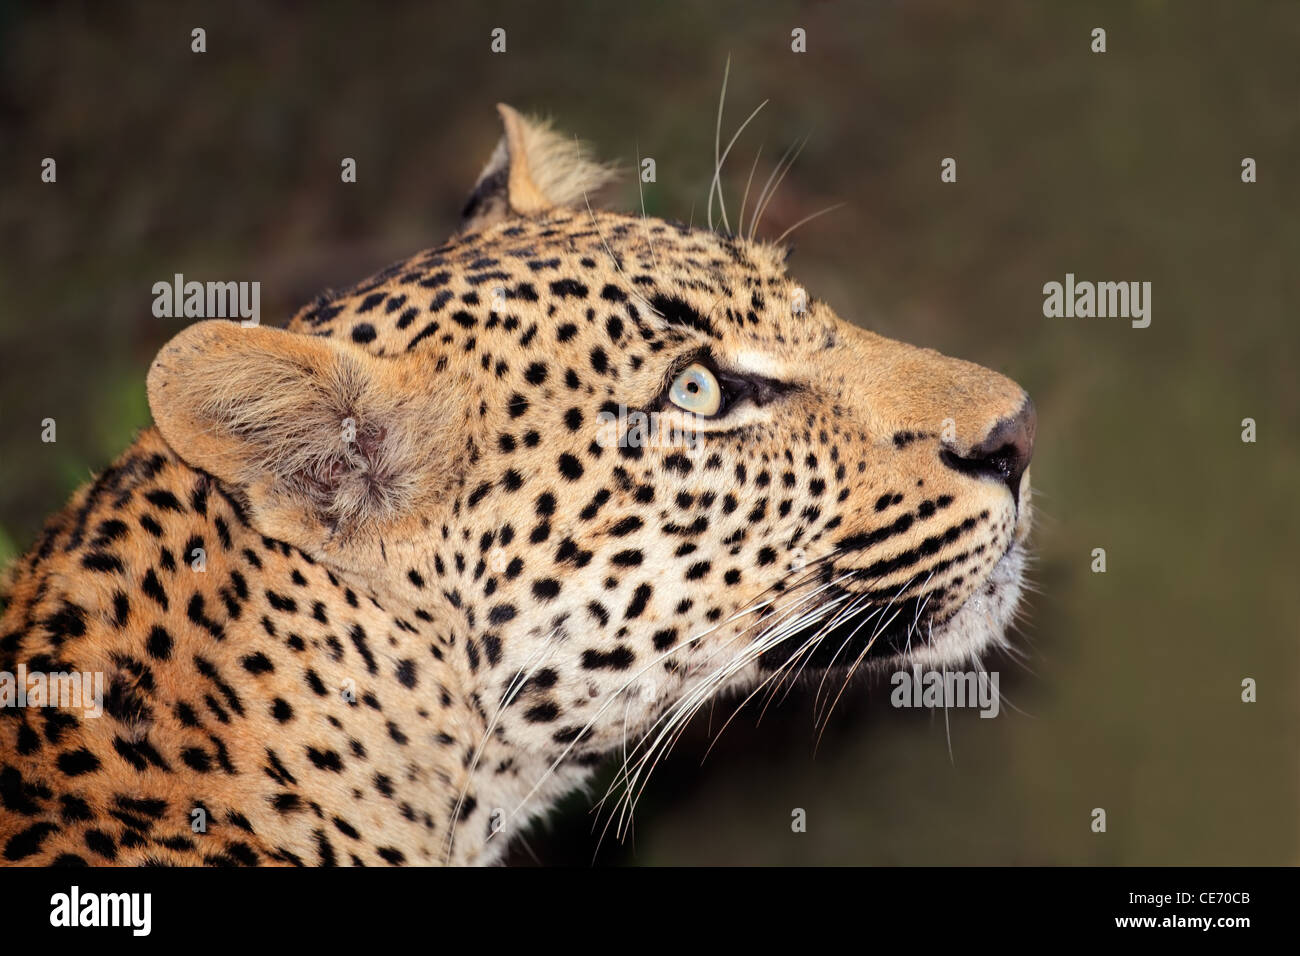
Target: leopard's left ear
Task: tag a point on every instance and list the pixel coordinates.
(533, 169)
(342, 454)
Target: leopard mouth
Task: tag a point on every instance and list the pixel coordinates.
(878, 636)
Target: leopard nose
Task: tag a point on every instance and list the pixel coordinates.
(1004, 452)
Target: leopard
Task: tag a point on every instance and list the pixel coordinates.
(385, 584)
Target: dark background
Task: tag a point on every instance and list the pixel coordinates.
(1118, 166)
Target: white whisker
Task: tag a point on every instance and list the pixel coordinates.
(805, 219)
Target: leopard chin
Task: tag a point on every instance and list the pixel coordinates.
(979, 625)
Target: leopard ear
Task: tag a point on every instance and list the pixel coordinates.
(533, 169)
(333, 450)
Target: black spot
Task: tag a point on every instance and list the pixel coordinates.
(679, 463)
(185, 714)
(196, 759)
(358, 636)
(76, 762)
(544, 678)
(677, 312)
(627, 526)
(640, 597)
(281, 603)
(164, 500)
(121, 608)
(109, 531)
(546, 588)
(363, 333)
(325, 759)
(697, 570)
(101, 561)
(159, 643)
(257, 663)
(151, 586)
(102, 844)
(502, 613)
(570, 467)
(569, 288)
(29, 741)
(542, 713)
(478, 494)
(619, 659)
(286, 802)
(27, 842)
(370, 301)
(74, 809)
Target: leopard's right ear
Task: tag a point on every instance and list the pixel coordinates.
(338, 452)
(533, 169)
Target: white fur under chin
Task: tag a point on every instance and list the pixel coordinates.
(981, 623)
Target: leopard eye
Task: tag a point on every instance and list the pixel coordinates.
(696, 389)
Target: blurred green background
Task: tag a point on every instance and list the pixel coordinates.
(1118, 166)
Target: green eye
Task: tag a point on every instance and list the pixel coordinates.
(696, 390)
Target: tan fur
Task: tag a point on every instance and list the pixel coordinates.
(270, 413)
(543, 168)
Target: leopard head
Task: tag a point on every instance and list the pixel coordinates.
(621, 464)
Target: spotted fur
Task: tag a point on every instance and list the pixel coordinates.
(433, 598)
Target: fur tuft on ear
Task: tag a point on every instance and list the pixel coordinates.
(335, 451)
(532, 169)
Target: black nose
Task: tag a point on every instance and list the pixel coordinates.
(1004, 452)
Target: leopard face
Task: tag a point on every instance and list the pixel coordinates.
(604, 468)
